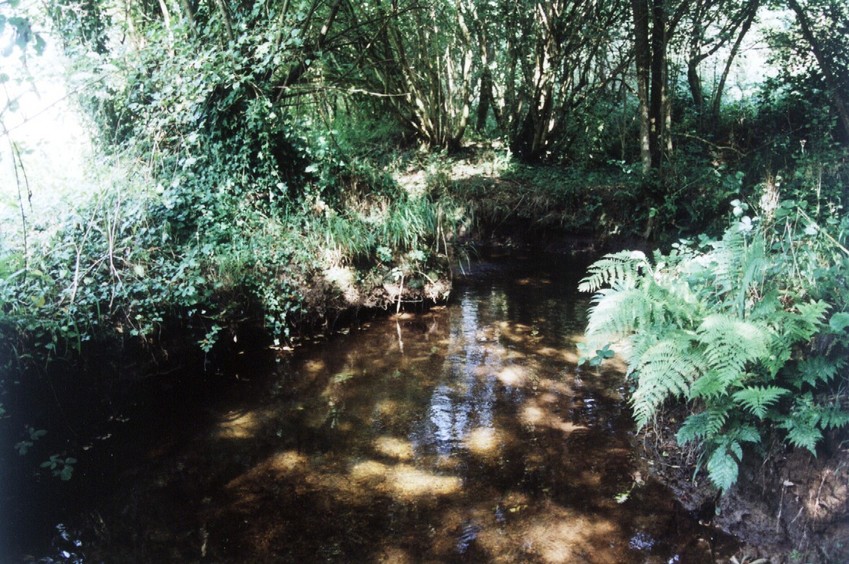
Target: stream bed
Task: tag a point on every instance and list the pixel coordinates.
(463, 434)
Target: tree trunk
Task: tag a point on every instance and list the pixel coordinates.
(657, 115)
(720, 87)
(642, 56)
(695, 83)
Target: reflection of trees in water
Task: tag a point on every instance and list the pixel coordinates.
(466, 398)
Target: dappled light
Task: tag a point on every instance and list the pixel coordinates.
(475, 441)
(334, 281)
(392, 447)
(536, 415)
(484, 441)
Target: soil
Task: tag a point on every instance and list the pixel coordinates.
(787, 506)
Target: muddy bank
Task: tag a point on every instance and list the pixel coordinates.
(787, 506)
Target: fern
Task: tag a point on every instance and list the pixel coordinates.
(814, 370)
(834, 417)
(666, 369)
(726, 259)
(729, 344)
(802, 433)
(732, 329)
(802, 424)
(726, 453)
(757, 399)
(807, 420)
(615, 269)
(723, 464)
(709, 387)
(704, 425)
(616, 312)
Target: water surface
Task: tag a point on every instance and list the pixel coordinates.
(466, 433)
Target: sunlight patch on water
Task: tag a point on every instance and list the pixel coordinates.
(536, 415)
(403, 482)
(288, 462)
(394, 555)
(240, 426)
(484, 441)
(314, 366)
(563, 536)
(393, 447)
(513, 376)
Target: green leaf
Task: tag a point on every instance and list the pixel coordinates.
(757, 399)
(40, 44)
(806, 436)
(701, 426)
(817, 369)
(723, 467)
(839, 321)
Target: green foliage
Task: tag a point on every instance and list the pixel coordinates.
(231, 196)
(34, 434)
(62, 468)
(736, 327)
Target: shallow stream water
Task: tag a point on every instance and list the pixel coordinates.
(466, 433)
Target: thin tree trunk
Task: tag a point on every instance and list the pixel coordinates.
(225, 17)
(301, 67)
(642, 56)
(720, 87)
(695, 83)
(657, 120)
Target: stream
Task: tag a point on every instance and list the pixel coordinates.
(463, 434)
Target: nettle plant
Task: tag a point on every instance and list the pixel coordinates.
(749, 330)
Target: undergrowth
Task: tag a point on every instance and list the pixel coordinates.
(750, 330)
(125, 265)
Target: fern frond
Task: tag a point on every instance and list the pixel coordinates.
(666, 369)
(730, 343)
(702, 425)
(834, 417)
(802, 434)
(817, 369)
(802, 423)
(802, 324)
(616, 312)
(709, 386)
(757, 399)
(722, 465)
(747, 434)
(621, 268)
(726, 260)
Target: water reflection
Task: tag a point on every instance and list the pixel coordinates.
(462, 434)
